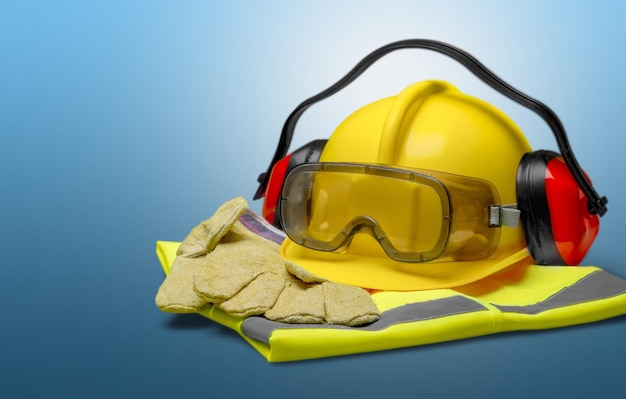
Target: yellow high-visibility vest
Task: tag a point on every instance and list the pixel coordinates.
(529, 297)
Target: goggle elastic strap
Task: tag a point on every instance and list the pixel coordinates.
(504, 215)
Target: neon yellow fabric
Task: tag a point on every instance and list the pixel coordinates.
(508, 301)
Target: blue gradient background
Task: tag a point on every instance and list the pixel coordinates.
(127, 122)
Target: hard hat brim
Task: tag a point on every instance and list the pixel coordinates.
(387, 274)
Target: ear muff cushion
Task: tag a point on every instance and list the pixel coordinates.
(274, 187)
(309, 152)
(534, 208)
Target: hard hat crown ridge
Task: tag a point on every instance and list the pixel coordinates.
(400, 115)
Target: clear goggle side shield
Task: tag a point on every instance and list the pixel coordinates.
(415, 215)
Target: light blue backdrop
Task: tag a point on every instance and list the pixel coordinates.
(127, 122)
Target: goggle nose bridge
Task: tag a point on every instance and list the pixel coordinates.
(365, 224)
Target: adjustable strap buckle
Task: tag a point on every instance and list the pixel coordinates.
(504, 215)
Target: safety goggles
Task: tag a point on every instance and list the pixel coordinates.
(415, 215)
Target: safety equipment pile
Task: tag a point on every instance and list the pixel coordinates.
(223, 263)
(425, 217)
(523, 297)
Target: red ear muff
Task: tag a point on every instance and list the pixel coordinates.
(274, 187)
(573, 227)
(558, 226)
(307, 153)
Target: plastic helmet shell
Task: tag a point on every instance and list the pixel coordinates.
(429, 125)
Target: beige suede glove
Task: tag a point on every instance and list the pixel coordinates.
(176, 294)
(223, 263)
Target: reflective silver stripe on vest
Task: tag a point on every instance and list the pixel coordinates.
(259, 328)
(594, 286)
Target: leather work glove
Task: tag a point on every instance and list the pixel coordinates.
(242, 273)
(176, 294)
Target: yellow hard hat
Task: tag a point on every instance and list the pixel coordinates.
(435, 130)
(424, 190)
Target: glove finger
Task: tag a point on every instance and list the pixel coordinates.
(223, 220)
(348, 305)
(217, 283)
(195, 244)
(302, 274)
(203, 238)
(256, 297)
(176, 294)
(343, 304)
(299, 303)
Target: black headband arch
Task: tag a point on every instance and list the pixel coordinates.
(596, 204)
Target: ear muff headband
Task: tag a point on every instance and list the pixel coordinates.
(596, 204)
